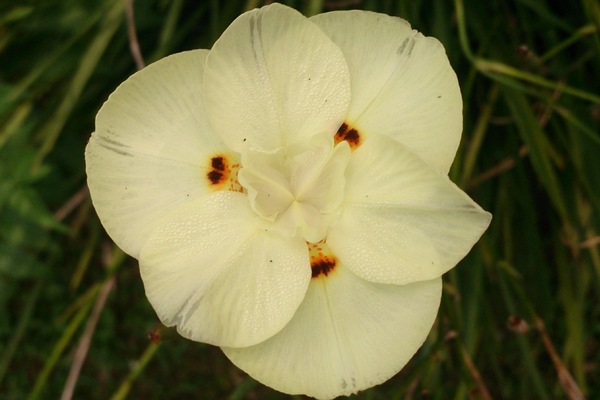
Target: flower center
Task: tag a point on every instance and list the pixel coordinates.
(298, 188)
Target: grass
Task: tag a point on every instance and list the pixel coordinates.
(520, 316)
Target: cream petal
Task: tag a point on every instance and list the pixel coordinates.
(151, 148)
(347, 335)
(401, 221)
(215, 272)
(274, 78)
(401, 82)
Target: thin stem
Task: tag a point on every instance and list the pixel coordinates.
(490, 67)
(483, 391)
(134, 44)
(58, 350)
(478, 135)
(493, 67)
(72, 203)
(579, 34)
(313, 7)
(19, 330)
(564, 376)
(86, 339)
(125, 386)
(462, 30)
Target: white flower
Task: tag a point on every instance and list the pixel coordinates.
(286, 193)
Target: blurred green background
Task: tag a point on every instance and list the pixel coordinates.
(520, 316)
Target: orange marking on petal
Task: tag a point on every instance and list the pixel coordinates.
(349, 134)
(222, 173)
(322, 261)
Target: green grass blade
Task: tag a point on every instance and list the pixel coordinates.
(89, 61)
(537, 143)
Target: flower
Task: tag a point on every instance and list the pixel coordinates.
(286, 193)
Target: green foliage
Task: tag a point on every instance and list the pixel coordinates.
(530, 155)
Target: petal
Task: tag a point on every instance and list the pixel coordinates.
(347, 335)
(151, 148)
(213, 270)
(402, 222)
(274, 78)
(401, 81)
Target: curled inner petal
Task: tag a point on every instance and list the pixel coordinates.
(299, 187)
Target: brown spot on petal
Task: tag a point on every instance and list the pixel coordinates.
(218, 163)
(349, 134)
(322, 260)
(215, 177)
(222, 173)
